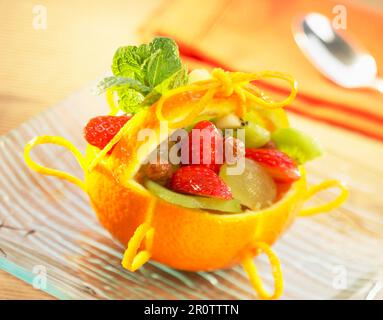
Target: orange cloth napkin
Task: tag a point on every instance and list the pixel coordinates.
(252, 35)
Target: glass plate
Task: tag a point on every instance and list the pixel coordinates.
(47, 228)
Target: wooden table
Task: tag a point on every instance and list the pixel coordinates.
(38, 68)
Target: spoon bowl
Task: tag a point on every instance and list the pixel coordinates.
(339, 57)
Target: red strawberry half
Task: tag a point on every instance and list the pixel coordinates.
(201, 181)
(100, 130)
(203, 147)
(278, 164)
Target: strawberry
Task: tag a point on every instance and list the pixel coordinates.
(100, 130)
(200, 180)
(203, 146)
(282, 188)
(278, 164)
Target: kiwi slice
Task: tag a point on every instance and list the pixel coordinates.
(194, 202)
(296, 144)
(255, 134)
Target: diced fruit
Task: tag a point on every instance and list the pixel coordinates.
(282, 189)
(198, 119)
(270, 119)
(230, 121)
(194, 202)
(278, 164)
(199, 75)
(100, 130)
(158, 171)
(203, 147)
(254, 117)
(234, 149)
(255, 135)
(298, 145)
(200, 180)
(254, 188)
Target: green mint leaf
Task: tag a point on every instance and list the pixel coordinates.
(163, 62)
(118, 83)
(177, 79)
(143, 73)
(129, 100)
(129, 62)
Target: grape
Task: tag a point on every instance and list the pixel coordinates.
(254, 188)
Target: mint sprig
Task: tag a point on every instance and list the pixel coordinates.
(117, 83)
(141, 74)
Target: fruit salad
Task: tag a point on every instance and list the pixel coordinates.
(198, 170)
(200, 177)
(268, 150)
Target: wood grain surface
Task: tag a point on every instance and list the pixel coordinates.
(38, 68)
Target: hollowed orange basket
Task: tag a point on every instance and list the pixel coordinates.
(182, 238)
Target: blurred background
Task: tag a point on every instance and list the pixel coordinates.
(40, 67)
(44, 61)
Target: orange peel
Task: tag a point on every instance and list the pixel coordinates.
(182, 238)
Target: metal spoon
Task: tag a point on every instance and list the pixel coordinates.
(339, 58)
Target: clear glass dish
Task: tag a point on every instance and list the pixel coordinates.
(47, 228)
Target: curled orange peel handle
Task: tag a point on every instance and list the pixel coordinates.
(254, 277)
(335, 203)
(226, 84)
(54, 172)
(134, 259)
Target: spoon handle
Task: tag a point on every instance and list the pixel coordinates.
(377, 85)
